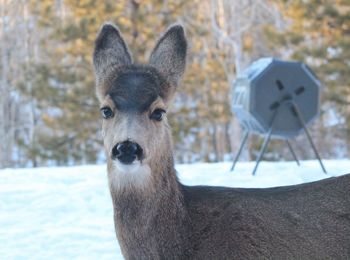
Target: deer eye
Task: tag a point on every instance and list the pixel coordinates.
(157, 114)
(106, 112)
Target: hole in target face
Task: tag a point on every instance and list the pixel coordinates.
(279, 85)
(299, 90)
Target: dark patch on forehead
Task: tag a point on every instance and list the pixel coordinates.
(136, 88)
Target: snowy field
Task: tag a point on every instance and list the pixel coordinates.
(66, 212)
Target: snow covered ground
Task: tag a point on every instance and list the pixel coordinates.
(66, 212)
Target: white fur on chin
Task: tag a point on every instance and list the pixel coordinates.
(131, 168)
(135, 175)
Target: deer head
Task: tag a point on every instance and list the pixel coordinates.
(134, 99)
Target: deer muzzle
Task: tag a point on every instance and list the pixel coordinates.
(127, 152)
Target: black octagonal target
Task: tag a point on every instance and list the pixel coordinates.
(265, 92)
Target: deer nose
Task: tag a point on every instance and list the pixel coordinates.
(127, 152)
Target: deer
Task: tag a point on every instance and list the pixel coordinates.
(157, 217)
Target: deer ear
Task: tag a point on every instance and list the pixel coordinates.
(110, 51)
(169, 54)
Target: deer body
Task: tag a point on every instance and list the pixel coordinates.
(309, 221)
(156, 217)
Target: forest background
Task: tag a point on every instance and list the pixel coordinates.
(49, 114)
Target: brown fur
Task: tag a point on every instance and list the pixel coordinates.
(156, 217)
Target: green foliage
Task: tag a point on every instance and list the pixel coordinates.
(62, 79)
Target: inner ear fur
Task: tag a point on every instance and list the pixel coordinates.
(169, 54)
(110, 52)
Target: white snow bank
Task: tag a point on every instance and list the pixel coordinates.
(66, 212)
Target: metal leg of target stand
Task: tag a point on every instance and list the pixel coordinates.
(266, 142)
(262, 150)
(246, 134)
(301, 119)
(292, 152)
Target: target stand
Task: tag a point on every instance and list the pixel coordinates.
(276, 98)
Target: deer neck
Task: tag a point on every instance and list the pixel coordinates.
(151, 216)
